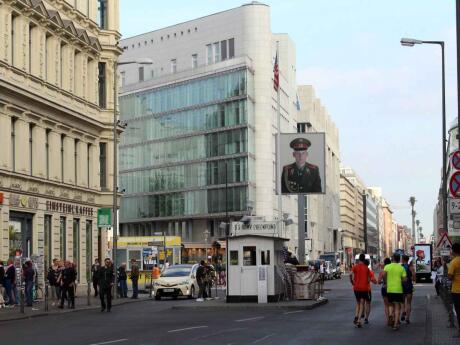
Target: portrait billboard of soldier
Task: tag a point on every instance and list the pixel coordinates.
(303, 163)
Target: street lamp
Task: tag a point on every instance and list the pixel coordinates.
(412, 203)
(410, 42)
(116, 125)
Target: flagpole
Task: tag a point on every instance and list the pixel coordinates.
(278, 145)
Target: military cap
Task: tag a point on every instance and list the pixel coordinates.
(300, 144)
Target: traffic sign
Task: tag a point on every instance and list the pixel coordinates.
(444, 242)
(456, 159)
(454, 206)
(454, 184)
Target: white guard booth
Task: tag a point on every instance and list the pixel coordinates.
(254, 255)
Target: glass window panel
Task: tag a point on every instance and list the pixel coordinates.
(249, 256)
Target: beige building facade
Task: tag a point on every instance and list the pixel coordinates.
(56, 114)
(322, 211)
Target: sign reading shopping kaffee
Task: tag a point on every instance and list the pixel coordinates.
(302, 158)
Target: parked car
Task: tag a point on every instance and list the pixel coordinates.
(175, 281)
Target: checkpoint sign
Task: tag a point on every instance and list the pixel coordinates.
(454, 185)
(456, 159)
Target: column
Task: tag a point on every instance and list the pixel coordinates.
(80, 76)
(5, 34)
(21, 142)
(39, 151)
(55, 236)
(92, 87)
(69, 160)
(5, 142)
(55, 163)
(21, 43)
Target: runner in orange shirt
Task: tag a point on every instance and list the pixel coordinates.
(367, 306)
(359, 278)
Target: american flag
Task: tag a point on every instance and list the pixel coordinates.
(276, 74)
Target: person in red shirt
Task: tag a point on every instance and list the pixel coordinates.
(360, 277)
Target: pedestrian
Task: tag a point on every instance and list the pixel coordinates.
(10, 283)
(359, 278)
(122, 277)
(156, 272)
(200, 278)
(52, 277)
(439, 270)
(381, 281)
(28, 274)
(394, 275)
(2, 284)
(95, 274)
(106, 280)
(67, 280)
(210, 277)
(221, 273)
(134, 276)
(454, 275)
(408, 288)
(368, 301)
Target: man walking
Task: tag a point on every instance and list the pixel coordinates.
(134, 278)
(28, 275)
(394, 275)
(68, 278)
(359, 278)
(10, 283)
(122, 277)
(454, 275)
(52, 277)
(200, 278)
(106, 280)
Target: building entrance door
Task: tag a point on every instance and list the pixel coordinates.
(20, 233)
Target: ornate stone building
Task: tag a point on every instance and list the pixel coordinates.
(56, 113)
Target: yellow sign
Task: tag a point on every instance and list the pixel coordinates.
(143, 241)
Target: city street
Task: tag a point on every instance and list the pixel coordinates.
(155, 323)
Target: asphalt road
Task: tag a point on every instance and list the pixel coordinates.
(154, 323)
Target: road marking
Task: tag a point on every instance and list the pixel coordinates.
(251, 319)
(264, 338)
(293, 312)
(110, 342)
(186, 329)
(219, 333)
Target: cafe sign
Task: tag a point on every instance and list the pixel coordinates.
(63, 207)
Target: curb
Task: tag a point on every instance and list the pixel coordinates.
(237, 306)
(67, 311)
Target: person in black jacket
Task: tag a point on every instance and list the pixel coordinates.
(28, 275)
(67, 278)
(106, 280)
(10, 283)
(95, 275)
(122, 277)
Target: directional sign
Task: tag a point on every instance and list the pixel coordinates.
(456, 159)
(454, 184)
(444, 242)
(454, 206)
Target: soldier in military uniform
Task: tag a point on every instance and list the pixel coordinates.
(300, 176)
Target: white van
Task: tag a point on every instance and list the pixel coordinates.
(368, 257)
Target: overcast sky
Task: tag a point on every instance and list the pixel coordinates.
(384, 98)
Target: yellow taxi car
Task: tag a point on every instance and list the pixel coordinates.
(175, 281)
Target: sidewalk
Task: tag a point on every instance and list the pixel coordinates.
(81, 303)
(437, 322)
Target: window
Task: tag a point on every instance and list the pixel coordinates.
(103, 164)
(209, 57)
(102, 13)
(47, 152)
(14, 18)
(48, 241)
(62, 238)
(249, 256)
(47, 54)
(265, 257)
(88, 163)
(76, 159)
(76, 244)
(102, 87)
(123, 78)
(223, 50)
(217, 52)
(234, 257)
(62, 157)
(141, 73)
(194, 60)
(231, 48)
(61, 65)
(173, 66)
(13, 143)
(31, 145)
(30, 47)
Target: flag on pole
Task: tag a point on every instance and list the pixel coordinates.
(276, 74)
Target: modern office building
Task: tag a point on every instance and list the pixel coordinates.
(322, 213)
(202, 120)
(372, 225)
(56, 115)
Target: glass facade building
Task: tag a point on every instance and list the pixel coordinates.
(183, 143)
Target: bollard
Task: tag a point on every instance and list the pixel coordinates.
(46, 296)
(88, 293)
